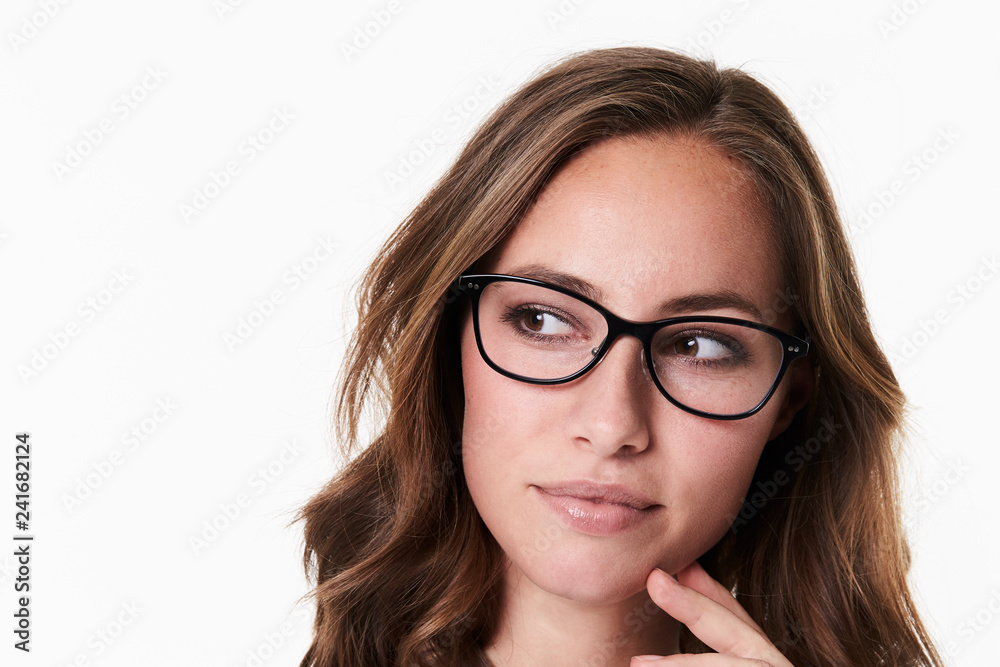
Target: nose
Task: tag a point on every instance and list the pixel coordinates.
(611, 404)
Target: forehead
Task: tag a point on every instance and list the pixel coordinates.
(647, 220)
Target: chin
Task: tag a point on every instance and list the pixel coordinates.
(585, 576)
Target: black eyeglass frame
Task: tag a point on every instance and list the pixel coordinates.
(792, 347)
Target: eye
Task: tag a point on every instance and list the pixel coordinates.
(541, 322)
(701, 347)
(707, 346)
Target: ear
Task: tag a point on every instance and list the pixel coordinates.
(801, 382)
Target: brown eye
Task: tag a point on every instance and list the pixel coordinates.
(687, 347)
(534, 321)
(540, 322)
(702, 346)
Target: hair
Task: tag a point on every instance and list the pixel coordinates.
(406, 572)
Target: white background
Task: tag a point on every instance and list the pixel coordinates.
(875, 84)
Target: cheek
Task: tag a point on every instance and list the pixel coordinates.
(713, 471)
(484, 405)
(502, 416)
(494, 432)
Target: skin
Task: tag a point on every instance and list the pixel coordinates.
(643, 221)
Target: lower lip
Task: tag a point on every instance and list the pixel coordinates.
(594, 518)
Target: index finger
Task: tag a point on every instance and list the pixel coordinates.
(720, 628)
(694, 576)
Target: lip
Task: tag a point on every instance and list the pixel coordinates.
(597, 509)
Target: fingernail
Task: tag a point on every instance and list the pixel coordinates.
(645, 658)
(666, 576)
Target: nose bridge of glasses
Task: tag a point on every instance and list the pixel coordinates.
(619, 329)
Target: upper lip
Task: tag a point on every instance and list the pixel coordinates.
(615, 494)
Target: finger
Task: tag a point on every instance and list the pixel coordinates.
(694, 576)
(714, 624)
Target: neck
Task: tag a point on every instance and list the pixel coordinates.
(538, 628)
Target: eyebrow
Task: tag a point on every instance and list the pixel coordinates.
(689, 303)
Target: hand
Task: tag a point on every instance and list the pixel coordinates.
(714, 616)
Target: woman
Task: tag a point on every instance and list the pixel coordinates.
(622, 340)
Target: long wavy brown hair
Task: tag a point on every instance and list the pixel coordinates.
(407, 574)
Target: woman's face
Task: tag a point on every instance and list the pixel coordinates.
(644, 223)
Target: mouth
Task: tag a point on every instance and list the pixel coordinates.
(602, 494)
(597, 509)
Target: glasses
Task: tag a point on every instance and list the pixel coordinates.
(715, 367)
